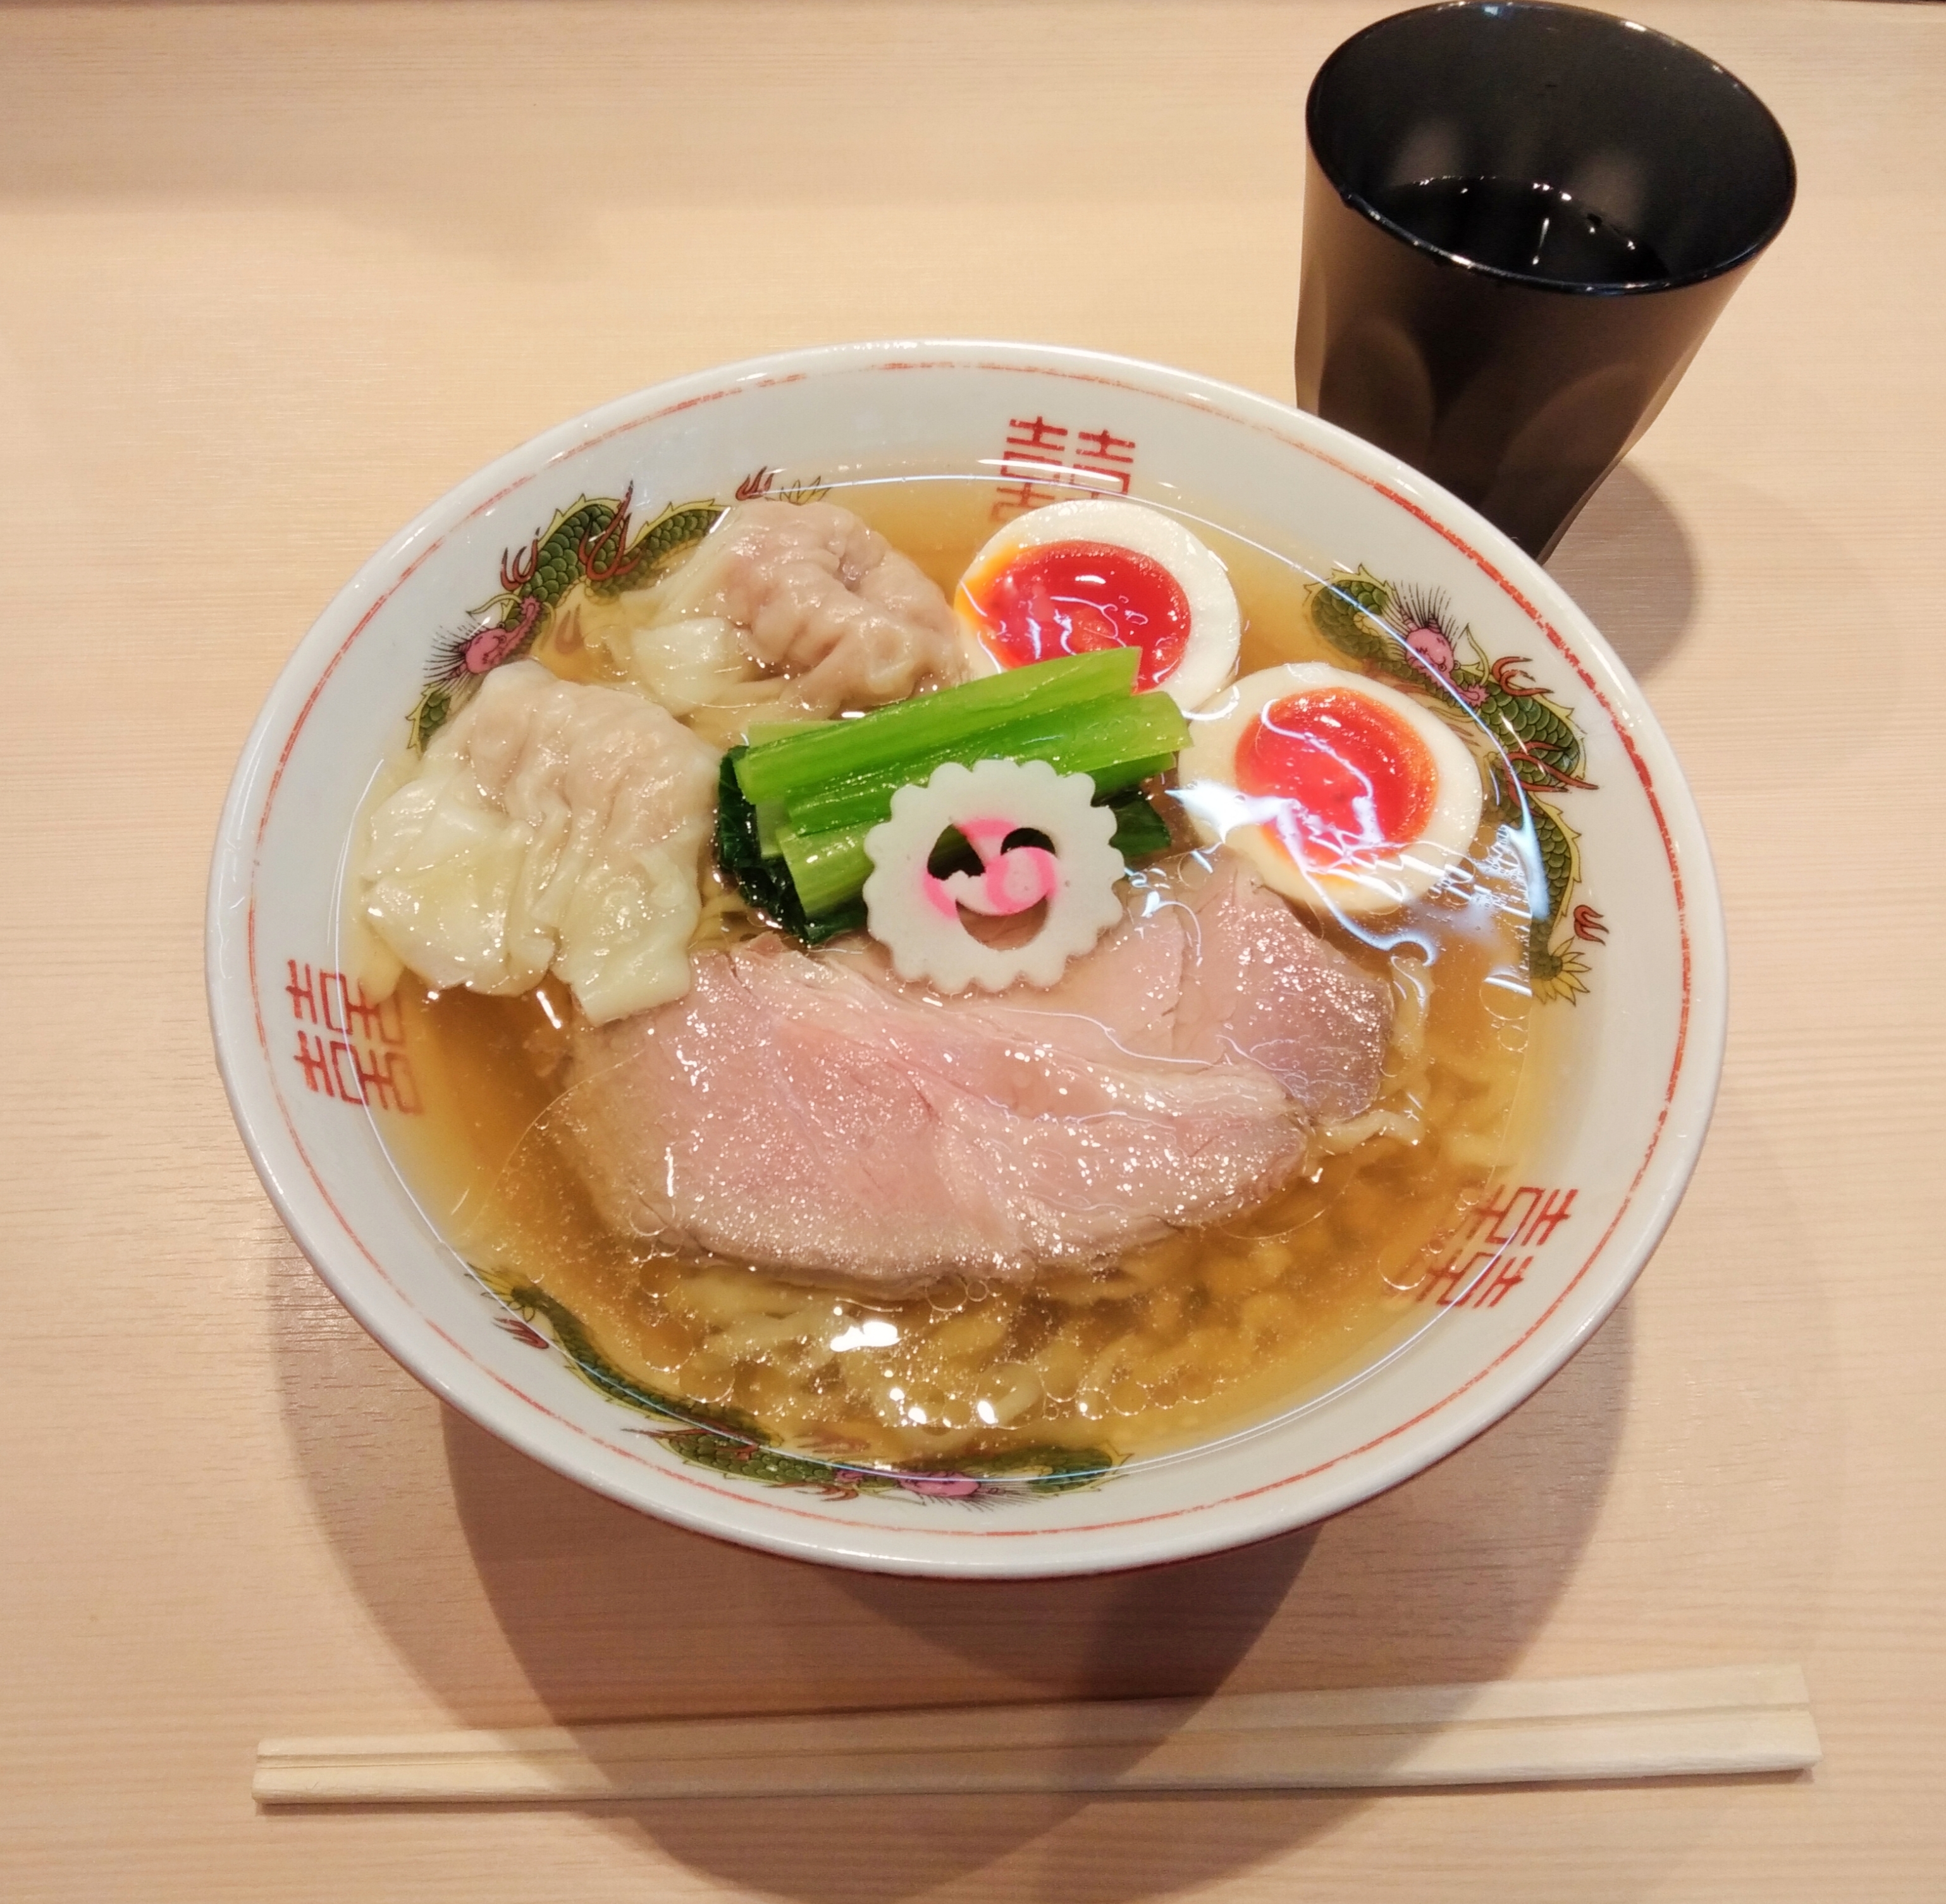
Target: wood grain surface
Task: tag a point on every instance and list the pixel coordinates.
(276, 276)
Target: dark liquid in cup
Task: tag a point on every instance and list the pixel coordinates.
(1511, 225)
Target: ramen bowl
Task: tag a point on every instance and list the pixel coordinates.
(1625, 954)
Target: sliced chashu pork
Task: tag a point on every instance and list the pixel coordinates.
(809, 1113)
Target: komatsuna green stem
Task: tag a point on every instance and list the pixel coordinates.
(840, 750)
(1105, 738)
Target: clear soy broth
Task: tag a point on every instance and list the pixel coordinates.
(1178, 1343)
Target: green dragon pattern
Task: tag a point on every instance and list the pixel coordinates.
(1407, 635)
(589, 542)
(731, 1442)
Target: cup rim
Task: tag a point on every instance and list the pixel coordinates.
(1438, 254)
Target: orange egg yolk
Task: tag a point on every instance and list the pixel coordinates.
(1357, 782)
(1071, 598)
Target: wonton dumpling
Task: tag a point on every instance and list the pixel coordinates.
(551, 827)
(819, 595)
(695, 668)
(692, 664)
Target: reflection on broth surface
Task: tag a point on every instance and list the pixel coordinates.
(1177, 1342)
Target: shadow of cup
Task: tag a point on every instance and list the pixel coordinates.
(1629, 562)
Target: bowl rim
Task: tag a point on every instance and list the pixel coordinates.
(1237, 1519)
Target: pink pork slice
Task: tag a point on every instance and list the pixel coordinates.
(810, 1113)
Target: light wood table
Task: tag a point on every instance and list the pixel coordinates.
(276, 276)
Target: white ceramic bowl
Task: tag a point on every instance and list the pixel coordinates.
(1628, 1044)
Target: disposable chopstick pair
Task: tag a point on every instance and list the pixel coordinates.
(1703, 1722)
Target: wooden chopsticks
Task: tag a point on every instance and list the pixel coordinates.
(1710, 1720)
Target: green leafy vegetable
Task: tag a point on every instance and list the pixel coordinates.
(764, 880)
(795, 809)
(909, 730)
(1141, 832)
(1116, 741)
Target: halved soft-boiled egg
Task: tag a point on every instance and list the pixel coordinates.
(1339, 791)
(1100, 573)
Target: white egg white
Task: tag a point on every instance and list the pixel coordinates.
(1215, 626)
(1222, 812)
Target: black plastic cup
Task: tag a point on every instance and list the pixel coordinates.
(1520, 221)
